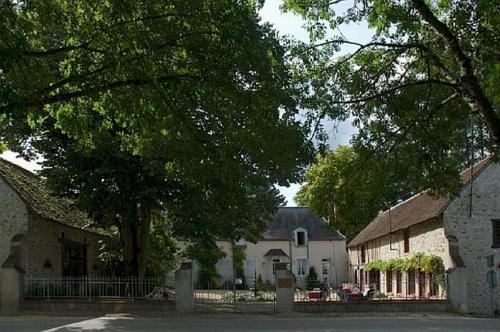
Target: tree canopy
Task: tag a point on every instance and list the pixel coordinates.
(185, 108)
(339, 187)
(423, 92)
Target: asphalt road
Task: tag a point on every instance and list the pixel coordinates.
(248, 323)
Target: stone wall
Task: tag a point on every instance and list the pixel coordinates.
(13, 219)
(431, 306)
(42, 245)
(427, 237)
(474, 235)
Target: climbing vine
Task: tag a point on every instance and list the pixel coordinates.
(239, 256)
(431, 264)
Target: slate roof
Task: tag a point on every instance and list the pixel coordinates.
(287, 219)
(276, 253)
(417, 209)
(34, 192)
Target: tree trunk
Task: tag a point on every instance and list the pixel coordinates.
(135, 237)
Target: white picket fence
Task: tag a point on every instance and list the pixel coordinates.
(97, 287)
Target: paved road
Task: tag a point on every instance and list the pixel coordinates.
(248, 323)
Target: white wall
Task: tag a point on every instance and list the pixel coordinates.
(258, 264)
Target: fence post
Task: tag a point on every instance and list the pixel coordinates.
(285, 288)
(184, 292)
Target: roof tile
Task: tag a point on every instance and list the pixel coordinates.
(417, 209)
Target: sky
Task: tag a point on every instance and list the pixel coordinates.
(290, 24)
(285, 24)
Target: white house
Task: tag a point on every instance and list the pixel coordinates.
(462, 231)
(298, 237)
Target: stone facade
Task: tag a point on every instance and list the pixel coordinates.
(474, 235)
(13, 219)
(452, 228)
(47, 235)
(41, 238)
(427, 238)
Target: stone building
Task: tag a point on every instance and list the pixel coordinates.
(461, 230)
(295, 236)
(41, 234)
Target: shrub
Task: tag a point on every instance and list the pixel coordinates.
(312, 279)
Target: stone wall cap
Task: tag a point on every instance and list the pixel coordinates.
(17, 238)
(11, 263)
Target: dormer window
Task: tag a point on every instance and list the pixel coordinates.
(300, 237)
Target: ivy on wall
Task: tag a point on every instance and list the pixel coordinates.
(431, 264)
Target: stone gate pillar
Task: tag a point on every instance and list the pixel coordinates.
(285, 288)
(184, 290)
(12, 277)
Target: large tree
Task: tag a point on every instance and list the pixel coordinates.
(423, 92)
(348, 198)
(139, 107)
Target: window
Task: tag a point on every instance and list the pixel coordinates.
(363, 254)
(433, 286)
(411, 281)
(399, 278)
(325, 265)
(301, 266)
(406, 238)
(374, 279)
(301, 238)
(388, 281)
(421, 284)
(276, 260)
(74, 259)
(496, 233)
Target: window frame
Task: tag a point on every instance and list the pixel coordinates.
(325, 266)
(274, 262)
(495, 225)
(302, 267)
(388, 281)
(303, 236)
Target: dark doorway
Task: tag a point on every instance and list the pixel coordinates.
(74, 259)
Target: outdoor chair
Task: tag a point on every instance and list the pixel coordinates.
(370, 294)
(343, 296)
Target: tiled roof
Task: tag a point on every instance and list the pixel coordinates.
(34, 192)
(415, 210)
(287, 219)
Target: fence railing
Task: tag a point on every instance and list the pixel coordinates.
(423, 288)
(97, 287)
(240, 295)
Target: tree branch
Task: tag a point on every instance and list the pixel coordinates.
(394, 89)
(472, 90)
(103, 88)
